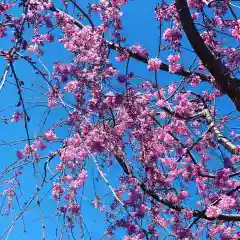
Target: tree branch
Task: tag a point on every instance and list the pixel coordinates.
(226, 83)
(139, 57)
(199, 214)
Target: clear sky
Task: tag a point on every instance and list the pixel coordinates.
(139, 27)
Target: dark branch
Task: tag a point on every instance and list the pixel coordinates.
(137, 56)
(226, 83)
(199, 214)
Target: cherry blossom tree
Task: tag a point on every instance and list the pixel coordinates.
(155, 159)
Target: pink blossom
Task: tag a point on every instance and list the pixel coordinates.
(183, 194)
(154, 64)
(161, 103)
(138, 237)
(172, 198)
(67, 178)
(194, 3)
(195, 80)
(113, 100)
(165, 12)
(144, 126)
(57, 191)
(237, 149)
(213, 211)
(52, 101)
(60, 167)
(188, 214)
(96, 8)
(50, 135)
(171, 163)
(30, 150)
(32, 48)
(172, 88)
(68, 154)
(173, 68)
(118, 3)
(71, 86)
(173, 58)
(82, 176)
(122, 56)
(110, 71)
(20, 154)
(3, 30)
(17, 116)
(227, 202)
(172, 34)
(74, 208)
(138, 49)
(195, 16)
(159, 93)
(236, 31)
(38, 144)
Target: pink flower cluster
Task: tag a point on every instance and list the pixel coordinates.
(154, 64)
(36, 6)
(50, 135)
(166, 12)
(113, 100)
(174, 66)
(138, 237)
(71, 86)
(85, 43)
(3, 31)
(172, 34)
(17, 116)
(195, 80)
(236, 31)
(213, 211)
(57, 191)
(82, 176)
(138, 49)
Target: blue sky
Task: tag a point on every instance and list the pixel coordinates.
(139, 27)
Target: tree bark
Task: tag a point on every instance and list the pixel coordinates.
(223, 78)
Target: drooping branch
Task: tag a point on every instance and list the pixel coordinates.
(127, 169)
(199, 214)
(137, 56)
(222, 75)
(83, 13)
(164, 67)
(206, 114)
(227, 84)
